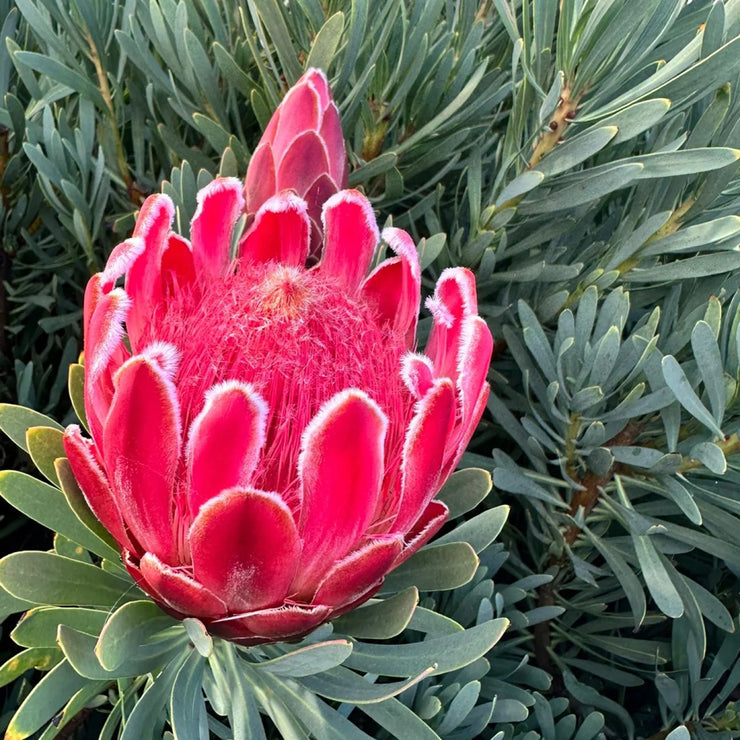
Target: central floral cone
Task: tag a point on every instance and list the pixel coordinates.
(266, 443)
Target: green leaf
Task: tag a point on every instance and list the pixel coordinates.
(198, 635)
(515, 481)
(682, 498)
(589, 187)
(536, 341)
(677, 381)
(326, 43)
(38, 626)
(54, 690)
(589, 696)
(271, 14)
(380, 620)
(711, 607)
(664, 593)
(42, 659)
(576, 150)
(480, 531)
(148, 712)
(346, 686)
(520, 185)
(47, 506)
(711, 456)
(685, 162)
(433, 568)
(243, 712)
(398, 720)
(11, 605)
(447, 653)
(308, 660)
(683, 87)
(693, 237)
(129, 629)
(83, 699)
(318, 719)
(45, 445)
(430, 248)
(680, 733)
(687, 269)
(709, 361)
(46, 578)
(637, 118)
(626, 577)
(79, 649)
(78, 504)
(464, 490)
(15, 421)
(187, 707)
(55, 70)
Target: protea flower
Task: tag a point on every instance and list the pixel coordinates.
(266, 443)
(302, 149)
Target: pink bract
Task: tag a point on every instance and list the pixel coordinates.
(266, 441)
(302, 149)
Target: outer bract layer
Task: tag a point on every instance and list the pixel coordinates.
(266, 442)
(302, 149)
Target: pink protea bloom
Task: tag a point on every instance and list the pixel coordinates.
(302, 149)
(266, 442)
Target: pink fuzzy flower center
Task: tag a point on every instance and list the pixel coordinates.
(298, 339)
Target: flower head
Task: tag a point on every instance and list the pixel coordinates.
(266, 443)
(302, 149)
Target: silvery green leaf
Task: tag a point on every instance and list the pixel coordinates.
(586, 398)
(346, 686)
(433, 568)
(15, 421)
(591, 697)
(711, 456)
(691, 238)
(45, 700)
(517, 482)
(637, 118)
(637, 238)
(711, 607)
(187, 706)
(600, 461)
(589, 187)
(464, 490)
(670, 692)
(685, 394)
(520, 185)
(550, 103)
(680, 733)
(709, 361)
(380, 619)
(446, 653)
(306, 661)
(690, 268)
(576, 150)
(626, 577)
(536, 341)
(399, 720)
(641, 457)
(479, 531)
(682, 498)
(606, 353)
(509, 710)
(713, 37)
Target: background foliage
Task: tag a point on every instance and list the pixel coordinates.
(579, 155)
